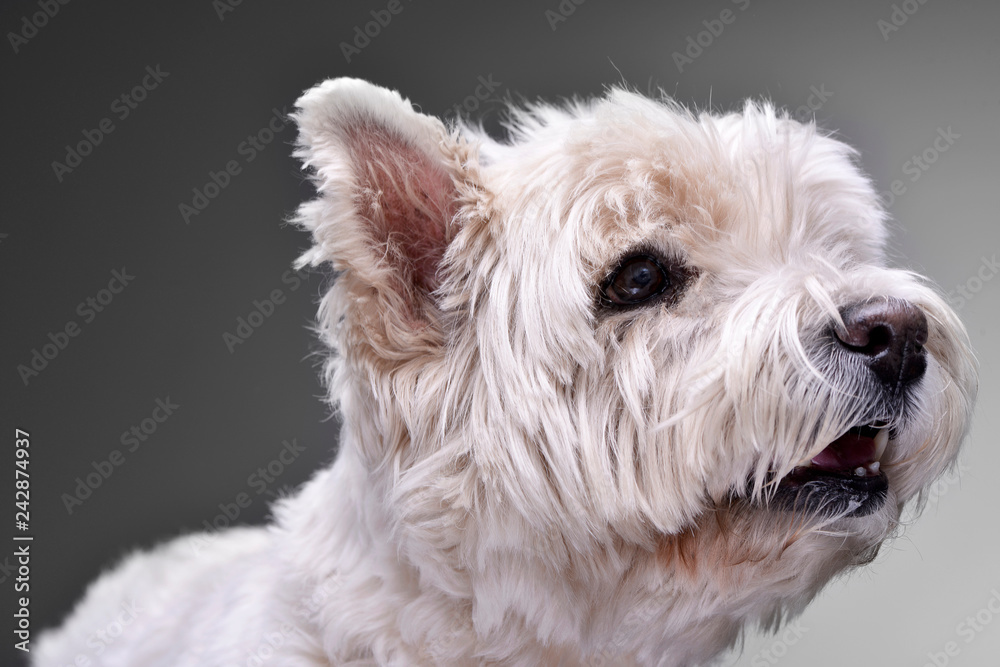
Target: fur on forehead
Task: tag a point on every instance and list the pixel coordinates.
(750, 189)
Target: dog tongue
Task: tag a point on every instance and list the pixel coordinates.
(847, 452)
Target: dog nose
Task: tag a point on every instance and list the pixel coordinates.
(890, 335)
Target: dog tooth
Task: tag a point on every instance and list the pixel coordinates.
(873, 467)
(881, 440)
(859, 471)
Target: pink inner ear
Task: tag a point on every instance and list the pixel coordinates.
(408, 199)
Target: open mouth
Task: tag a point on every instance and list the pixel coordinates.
(845, 478)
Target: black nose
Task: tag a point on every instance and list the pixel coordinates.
(890, 335)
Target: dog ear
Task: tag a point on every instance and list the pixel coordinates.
(386, 177)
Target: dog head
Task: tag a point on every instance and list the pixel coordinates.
(632, 358)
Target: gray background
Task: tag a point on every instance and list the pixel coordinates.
(886, 92)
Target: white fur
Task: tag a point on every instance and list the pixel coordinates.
(523, 479)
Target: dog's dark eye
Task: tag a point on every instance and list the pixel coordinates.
(637, 279)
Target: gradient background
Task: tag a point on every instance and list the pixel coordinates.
(162, 336)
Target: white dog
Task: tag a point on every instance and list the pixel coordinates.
(611, 391)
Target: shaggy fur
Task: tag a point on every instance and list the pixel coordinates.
(527, 474)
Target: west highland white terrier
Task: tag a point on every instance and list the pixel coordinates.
(612, 390)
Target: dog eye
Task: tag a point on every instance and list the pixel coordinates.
(637, 279)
